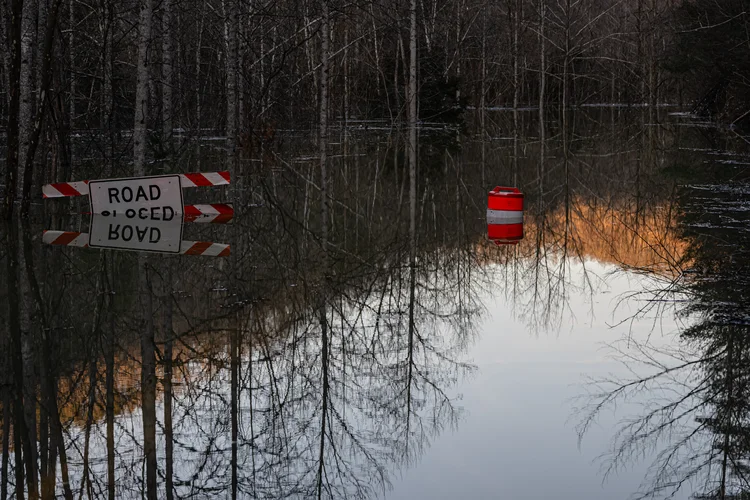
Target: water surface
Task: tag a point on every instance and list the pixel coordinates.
(390, 349)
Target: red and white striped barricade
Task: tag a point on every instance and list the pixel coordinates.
(505, 215)
(81, 188)
(214, 213)
(143, 213)
(205, 248)
(210, 213)
(66, 238)
(81, 240)
(156, 197)
(134, 233)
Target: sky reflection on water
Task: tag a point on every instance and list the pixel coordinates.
(519, 439)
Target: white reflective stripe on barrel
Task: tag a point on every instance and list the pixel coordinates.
(504, 216)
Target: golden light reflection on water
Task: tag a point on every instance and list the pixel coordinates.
(610, 235)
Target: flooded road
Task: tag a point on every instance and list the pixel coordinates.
(388, 348)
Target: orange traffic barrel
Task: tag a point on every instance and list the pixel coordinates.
(505, 198)
(505, 215)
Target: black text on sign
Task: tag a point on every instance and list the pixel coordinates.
(141, 198)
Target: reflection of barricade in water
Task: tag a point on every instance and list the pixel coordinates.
(82, 240)
(120, 232)
(505, 215)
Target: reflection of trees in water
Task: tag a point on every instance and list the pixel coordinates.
(694, 395)
(598, 194)
(238, 344)
(243, 342)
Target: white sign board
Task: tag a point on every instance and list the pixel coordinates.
(124, 233)
(138, 198)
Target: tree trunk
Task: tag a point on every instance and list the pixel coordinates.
(14, 80)
(412, 90)
(7, 414)
(234, 382)
(142, 87)
(347, 97)
(542, 85)
(109, 360)
(412, 94)
(148, 376)
(107, 121)
(230, 44)
(323, 146)
(58, 135)
(4, 42)
(198, 63)
(28, 44)
(86, 479)
(652, 83)
(457, 59)
(542, 61)
(516, 69)
(166, 75)
(565, 76)
(168, 342)
(41, 108)
(47, 380)
(7, 417)
(639, 51)
(41, 23)
(25, 450)
(483, 86)
(30, 378)
(71, 55)
(240, 80)
(323, 314)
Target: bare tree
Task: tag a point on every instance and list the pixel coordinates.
(167, 71)
(45, 79)
(14, 80)
(142, 88)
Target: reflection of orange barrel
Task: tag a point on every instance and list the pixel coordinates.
(505, 216)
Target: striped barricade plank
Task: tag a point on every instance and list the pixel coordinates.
(204, 248)
(205, 179)
(81, 188)
(81, 240)
(216, 213)
(66, 238)
(63, 189)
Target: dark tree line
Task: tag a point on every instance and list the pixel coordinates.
(136, 80)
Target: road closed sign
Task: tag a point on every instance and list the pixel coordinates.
(157, 198)
(133, 233)
(143, 213)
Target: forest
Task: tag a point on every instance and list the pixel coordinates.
(136, 81)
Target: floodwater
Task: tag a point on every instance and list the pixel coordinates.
(380, 345)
